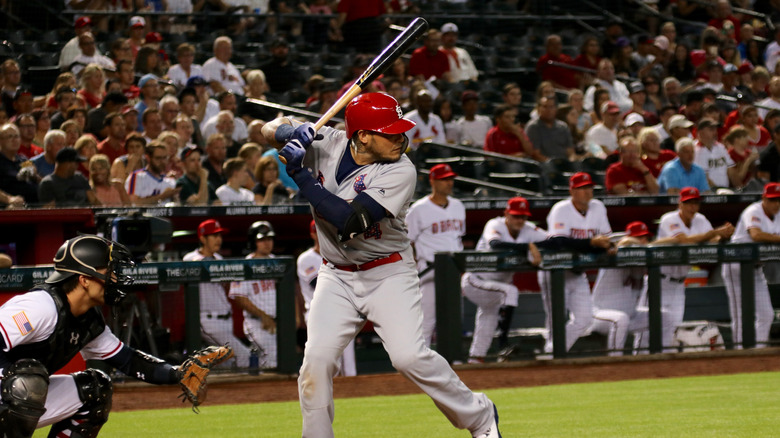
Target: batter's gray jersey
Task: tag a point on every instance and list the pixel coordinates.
(496, 230)
(389, 184)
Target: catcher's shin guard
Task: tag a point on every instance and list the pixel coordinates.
(95, 391)
(23, 393)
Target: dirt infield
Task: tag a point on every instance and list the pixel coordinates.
(253, 389)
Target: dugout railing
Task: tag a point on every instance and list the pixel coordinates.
(449, 267)
(191, 274)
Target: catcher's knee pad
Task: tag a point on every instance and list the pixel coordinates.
(23, 393)
(95, 391)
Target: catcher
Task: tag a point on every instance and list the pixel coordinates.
(40, 331)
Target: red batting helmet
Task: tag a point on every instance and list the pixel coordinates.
(378, 112)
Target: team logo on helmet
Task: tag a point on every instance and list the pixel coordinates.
(399, 111)
(360, 184)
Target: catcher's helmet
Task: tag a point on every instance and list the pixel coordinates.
(259, 230)
(84, 255)
(378, 112)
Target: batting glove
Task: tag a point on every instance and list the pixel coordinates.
(293, 152)
(306, 134)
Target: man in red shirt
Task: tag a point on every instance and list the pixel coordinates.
(652, 155)
(509, 138)
(630, 175)
(114, 145)
(430, 60)
(561, 77)
(126, 75)
(26, 124)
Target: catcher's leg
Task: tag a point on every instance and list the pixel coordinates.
(95, 391)
(23, 393)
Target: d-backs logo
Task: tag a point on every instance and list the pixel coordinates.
(359, 184)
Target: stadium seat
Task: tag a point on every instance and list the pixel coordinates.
(529, 182)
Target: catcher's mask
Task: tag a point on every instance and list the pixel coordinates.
(84, 255)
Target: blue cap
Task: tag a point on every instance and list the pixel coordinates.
(146, 78)
(196, 80)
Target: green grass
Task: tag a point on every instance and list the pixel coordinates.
(742, 405)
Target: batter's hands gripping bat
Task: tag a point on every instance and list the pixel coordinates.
(379, 65)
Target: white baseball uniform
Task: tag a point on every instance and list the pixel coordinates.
(753, 216)
(490, 290)
(262, 294)
(228, 195)
(673, 277)
(424, 131)
(31, 318)
(433, 228)
(715, 162)
(225, 73)
(308, 267)
(565, 220)
(216, 323)
(143, 184)
(387, 293)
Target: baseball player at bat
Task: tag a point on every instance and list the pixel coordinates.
(689, 227)
(758, 222)
(436, 222)
(360, 187)
(42, 330)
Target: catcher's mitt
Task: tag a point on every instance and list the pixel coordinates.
(196, 368)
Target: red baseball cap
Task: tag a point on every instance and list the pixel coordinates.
(518, 206)
(609, 107)
(441, 171)
(772, 190)
(637, 229)
(689, 193)
(153, 37)
(83, 21)
(210, 226)
(580, 179)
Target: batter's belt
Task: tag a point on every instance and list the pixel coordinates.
(392, 258)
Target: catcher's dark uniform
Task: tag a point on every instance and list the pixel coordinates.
(39, 325)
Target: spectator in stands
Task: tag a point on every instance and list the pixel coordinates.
(771, 120)
(429, 127)
(64, 98)
(191, 105)
(42, 126)
(238, 132)
(233, 191)
(655, 100)
(605, 78)
(630, 175)
(550, 136)
(126, 76)
(12, 80)
(758, 136)
(430, 59)
(182, 126)
(136, 27)
(195, 186)
(169, 109)
(72, 132)
(133, 160)
(220, 73)
(638, 96)
(9, 202)
(512, 95)
(744, 156)
(120, 51)
(329, 93)
(633, 123)
(256, 87)
(109, 192)
(71, 49)
(65, 187)
(90, 55)
(773, 101)
(561, 77)
(712, 156)
(11, 163)
(53, 142)
(509, 138)
(269, 189)
(442, 107)
(604, 133)
(149, 185)
(250, 153)
(757, 86)
(568, 115)
(678, 127)
(26, 124)
(86, 146)
(769, 159)
(588, 58)
(665, 115)
(600, 97)
(152, 123)
(147, 62)
(216, 153)
(672, 91)
(694, 101)
(170, 139)
(361, 24)
(113, 102)
(281, 73)
(680, 66)
(150, 95)
(682, 171)
(114, 144)
(653, 157)
(612, 33)
(473, 127)
(462, 68)
(621, 58)
(92, 85)
(255, 129)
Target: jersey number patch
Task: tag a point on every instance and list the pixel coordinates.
(374, 231)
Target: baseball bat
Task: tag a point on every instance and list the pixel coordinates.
(379, 65)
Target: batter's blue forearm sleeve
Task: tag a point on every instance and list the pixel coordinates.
(143, 366)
